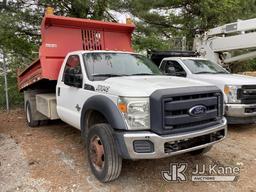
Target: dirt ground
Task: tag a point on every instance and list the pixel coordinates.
(52, 158)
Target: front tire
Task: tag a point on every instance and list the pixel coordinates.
(29, 116)
(104, 160)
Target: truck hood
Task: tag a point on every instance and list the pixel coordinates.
(144, 86)
(225, 79)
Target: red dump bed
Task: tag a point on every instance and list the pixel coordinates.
(61, 35)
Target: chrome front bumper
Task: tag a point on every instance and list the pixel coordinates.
(239, 110)
(159, 141)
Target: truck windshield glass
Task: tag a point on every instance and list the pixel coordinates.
(204, 67)
(105, 65)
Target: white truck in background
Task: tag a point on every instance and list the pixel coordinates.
(239, 90)
(229, 44)
(218, 47)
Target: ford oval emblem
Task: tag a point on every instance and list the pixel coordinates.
(197, 110)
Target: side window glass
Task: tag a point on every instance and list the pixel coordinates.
(169, 69)
(162, 67)
(175, 69)
(73, 65)
(72, 75)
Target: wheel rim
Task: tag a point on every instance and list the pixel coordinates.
(28, 115)
(96, 150)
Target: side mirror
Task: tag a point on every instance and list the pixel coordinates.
(181, 74)
(228, 69)
(171, 71)
(78, 80)
(75, 80)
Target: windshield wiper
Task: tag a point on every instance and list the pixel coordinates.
(108, 75)
(205, 72)
(142, 74)
(222, 72)
(119, 75)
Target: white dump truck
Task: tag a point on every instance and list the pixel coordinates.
(88, 76)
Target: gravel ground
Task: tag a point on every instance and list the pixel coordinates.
(14, 168)
(51, 158)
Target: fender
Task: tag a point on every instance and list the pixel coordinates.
(106, 107)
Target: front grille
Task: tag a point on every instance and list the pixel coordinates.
(247, 94)
(177, 117)
(174, 110)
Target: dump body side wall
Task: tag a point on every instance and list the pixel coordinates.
(61, 35)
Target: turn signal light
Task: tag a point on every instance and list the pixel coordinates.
(122, 107)
(226, 90)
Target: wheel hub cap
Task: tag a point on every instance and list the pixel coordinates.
(97, 153)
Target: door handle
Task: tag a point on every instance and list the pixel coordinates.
(58, 92)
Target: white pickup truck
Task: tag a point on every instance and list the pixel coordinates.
(239, 90)
(125, 108)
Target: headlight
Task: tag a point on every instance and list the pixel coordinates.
(136, 112)
(231, 93)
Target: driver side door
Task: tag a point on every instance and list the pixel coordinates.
(70, 93)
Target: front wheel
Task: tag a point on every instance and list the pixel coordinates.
(104, 160)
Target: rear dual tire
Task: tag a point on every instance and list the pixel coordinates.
(29, 116)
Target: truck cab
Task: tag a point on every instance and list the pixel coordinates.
(238, 90)
(88, 76)
(149, 115)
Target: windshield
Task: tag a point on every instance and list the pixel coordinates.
(203, 66)
(105, 65)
